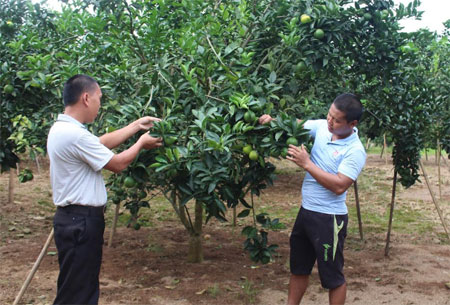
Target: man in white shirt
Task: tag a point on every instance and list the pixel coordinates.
(76, 160)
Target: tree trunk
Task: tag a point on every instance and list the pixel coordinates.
(195, 254)
(11, 186)
(114, 225)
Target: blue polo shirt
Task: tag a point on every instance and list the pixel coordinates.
(346, 156)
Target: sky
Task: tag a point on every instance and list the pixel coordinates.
(435, 13)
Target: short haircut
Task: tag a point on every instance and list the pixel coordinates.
(77, 85)
(350, 105)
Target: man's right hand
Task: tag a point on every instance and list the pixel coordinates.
(265, 118)
(149, 142)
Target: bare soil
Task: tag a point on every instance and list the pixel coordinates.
(149, 266)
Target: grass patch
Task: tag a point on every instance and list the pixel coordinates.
(46, 203)
(214, 290)
(376, 149)
(250, 292)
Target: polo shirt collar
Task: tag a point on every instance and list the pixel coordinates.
(68, 119)
(345, 141)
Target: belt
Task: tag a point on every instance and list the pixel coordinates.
(83, 210)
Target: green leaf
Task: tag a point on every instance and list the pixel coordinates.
(244, 213)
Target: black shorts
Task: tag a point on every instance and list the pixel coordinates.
(312, 239)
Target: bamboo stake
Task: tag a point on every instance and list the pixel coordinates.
(439, 167)
(368, 144)
(358, 210)
(114, 225)
(385, 149)
(34, 269)
(434, 199)
(445, 161)
(11, 186)
(234, 217)
(37, 164)
(391, 214)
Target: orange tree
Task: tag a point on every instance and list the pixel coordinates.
(199, 85)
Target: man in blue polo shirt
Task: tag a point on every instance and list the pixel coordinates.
(336, 160)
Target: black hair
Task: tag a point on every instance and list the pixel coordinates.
(350, 105)
(77, 85)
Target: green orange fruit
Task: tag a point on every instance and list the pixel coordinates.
(319, 34)
(292, 141)
(129, 182)
(300, 67)
(247, 149)
(305, 18)
(253, 155)
(367, 16)
(142, 194)
(169, 140)
(249, 116)
(8, 89)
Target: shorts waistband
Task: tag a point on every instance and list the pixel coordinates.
(83, 210)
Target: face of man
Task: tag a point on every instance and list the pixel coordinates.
(337, 123)
(94, 102)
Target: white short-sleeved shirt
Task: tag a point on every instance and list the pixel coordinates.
(346, 156)
(76, 160)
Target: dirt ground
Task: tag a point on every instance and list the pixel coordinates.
(149, 266)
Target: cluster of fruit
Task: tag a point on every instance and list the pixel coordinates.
(318, 33)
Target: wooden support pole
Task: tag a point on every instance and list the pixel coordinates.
(434, 199)
(368, 144)
(234, 217)
(439, 167)
(358, 210)
(114, 225)
(34, 269)
(385, 149)
(445, 161)
(391, 214)
(38, 165)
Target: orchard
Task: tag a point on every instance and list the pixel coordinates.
(209, 70)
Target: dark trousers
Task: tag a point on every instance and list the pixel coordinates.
(79, 240)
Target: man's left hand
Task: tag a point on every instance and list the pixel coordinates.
(146, 122)
(298, 155)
